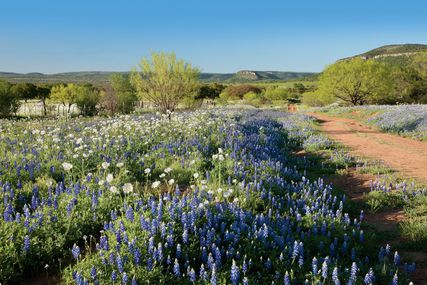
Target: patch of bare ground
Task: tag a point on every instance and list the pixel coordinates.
(404, 155)
(356, 186)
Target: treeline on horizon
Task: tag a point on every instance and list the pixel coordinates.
(360, 81)
(166, 83)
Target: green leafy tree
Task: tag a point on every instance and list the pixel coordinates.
(276, 93)
(123, 94)
(87, 99)
(65, 94)
(25, 91)
(165, 80)
(357, 82)
(210, 91)
(43, 93)
(9, 103)
(236, 92)
(419, 64)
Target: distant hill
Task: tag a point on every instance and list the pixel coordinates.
(100, 77)
(398, 54)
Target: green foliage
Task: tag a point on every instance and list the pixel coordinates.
(357, 82)
(251, 96)
(43, 93)
(65, 94)
(210, 91)
(87, 100)
(25, 91)
(123, 95)
(236, 92)
(276, 93)
(314, 99)
(165, 80)
(9, 103)
(378, 200)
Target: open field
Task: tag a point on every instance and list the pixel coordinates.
(209, 197)
(405, 120)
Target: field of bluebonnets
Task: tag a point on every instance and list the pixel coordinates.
(208, 197)
(406, 120)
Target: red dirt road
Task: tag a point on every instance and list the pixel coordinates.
(407, 156)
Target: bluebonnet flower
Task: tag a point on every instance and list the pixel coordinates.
(75, 251)
(133, 282)
(137, 256)
(325, 268)
(125, 278)
(387, 249)
(176, 269)
(119, 262)
(335, 277)
(295, 250)
(203, 273)
(93, 273)
(396, 258)
(314, 265)
(103, 241)
(192, 275)
(185, 236)
(395, 280)
(26, 243)
(353, 274)
(369, 277)
(245, 281)
(287, 280)
(114, 276)
(213, 276)
(234, 276)
(129, 214)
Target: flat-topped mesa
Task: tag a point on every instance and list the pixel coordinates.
(248, 74)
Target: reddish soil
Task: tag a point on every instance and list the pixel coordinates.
(409, 157)
(401, 154)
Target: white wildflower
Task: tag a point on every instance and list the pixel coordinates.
(147, 171)
(127, 188)
(155, 184)
(171, 181)
(110, 178)
(113, 189)
(105, 165)
(67, 166)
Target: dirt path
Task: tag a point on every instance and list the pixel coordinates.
(402, 154)
(409, 157)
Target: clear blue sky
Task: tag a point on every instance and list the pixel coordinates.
(216, 35)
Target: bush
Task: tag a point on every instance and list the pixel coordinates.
(236, 92)
(210, 91)
(9, 103)
(87, 100)
(276, 93)
(250, 96)
(313, 99)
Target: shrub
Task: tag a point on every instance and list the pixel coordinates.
(87, 100)
(210, 91)
(276, 93)
(250, 96)
(8, 102)
(237, 91)
(313, 99)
